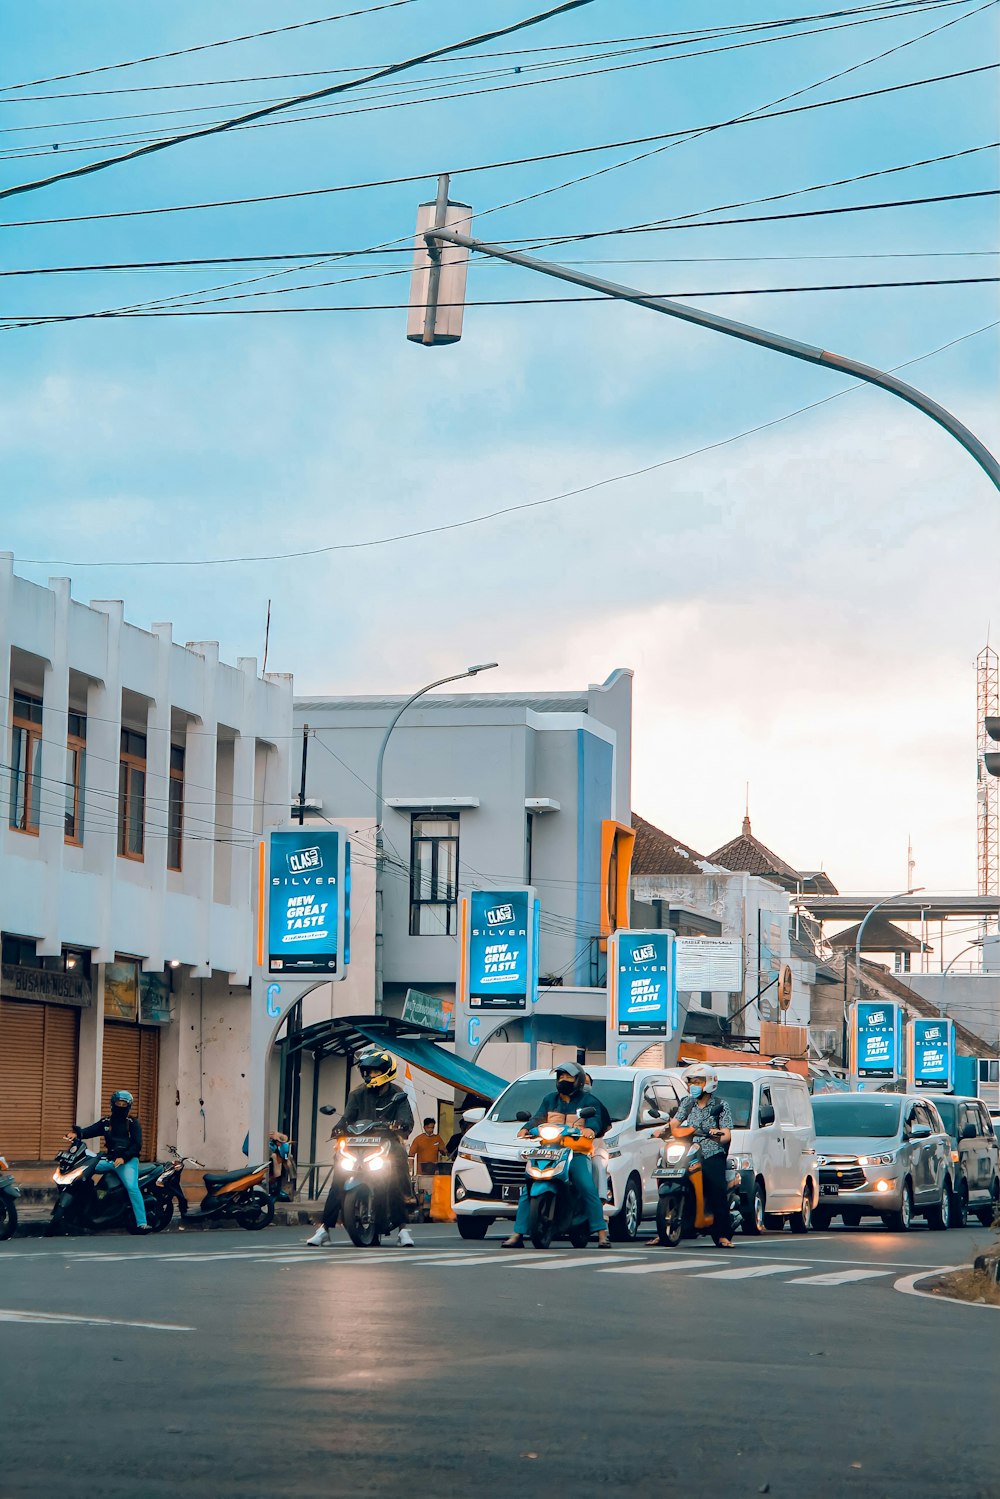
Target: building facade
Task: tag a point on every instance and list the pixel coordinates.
(137, 774)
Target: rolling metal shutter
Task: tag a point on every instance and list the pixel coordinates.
(38, 1075)
(132, 1061)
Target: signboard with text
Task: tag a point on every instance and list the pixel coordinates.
(500, 966)
(305, 919)
(643, 999)
(930, 1054)
(875, 1035)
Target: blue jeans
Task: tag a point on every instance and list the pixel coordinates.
(128, 1175)
(582, 1177)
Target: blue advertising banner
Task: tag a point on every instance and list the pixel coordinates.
(303, 902)
(876, 1039)
(932, 1054)
(646, 988)
(499, 974)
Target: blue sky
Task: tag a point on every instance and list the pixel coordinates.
(802, 607)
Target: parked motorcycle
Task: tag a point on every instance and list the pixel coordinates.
(240, 1194)
(89, 1201)
(365, 1171)
(9, 1193)
(680, 1210)
(555, 1208)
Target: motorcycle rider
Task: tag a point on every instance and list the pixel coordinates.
(379, 1100)
(122, 1144)
(708, 1120)
(563, 1106)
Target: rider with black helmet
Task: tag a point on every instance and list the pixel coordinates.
(377, 1100)
(122, 1144)
(570, 1096)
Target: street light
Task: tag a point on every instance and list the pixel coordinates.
(901, 895)
(470, 671)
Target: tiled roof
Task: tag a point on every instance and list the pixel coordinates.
(656, 852)
(747, 855)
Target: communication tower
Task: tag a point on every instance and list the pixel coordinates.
(987, 770)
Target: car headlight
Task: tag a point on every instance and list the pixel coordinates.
(742, 1162)
(676, 1153)
(875, 1160)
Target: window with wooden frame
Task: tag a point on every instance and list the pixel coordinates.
(76, 776)
(175, 809)
(132, 795)
(26, 763)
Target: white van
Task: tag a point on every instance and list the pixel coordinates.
(488, 1173)
(773, 1146)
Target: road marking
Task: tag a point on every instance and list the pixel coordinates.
(838, 1277)
(658, 1266)
(57, 1319)
(748, 1272)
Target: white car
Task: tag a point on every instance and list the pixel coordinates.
(773, 1146)
(489, 1169)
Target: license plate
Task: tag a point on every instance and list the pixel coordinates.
(829, 1189)
(511, 1194)
(553, 1154)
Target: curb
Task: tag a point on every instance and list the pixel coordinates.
(908, 1285)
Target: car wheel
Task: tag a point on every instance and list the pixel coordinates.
(960, 1207)
(754, 1220)
(851, 1217)
(624, 1226)
(902, 1221)
(939, 1216)
(474, 1228)
(821, 1219)
(801, 1221)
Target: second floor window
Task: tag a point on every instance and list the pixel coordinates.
(175, 810)
(76, 770)
(434, 876)
(26, 763)
(132, 795)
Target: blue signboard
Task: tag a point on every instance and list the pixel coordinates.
(876, 1039)
(646, 986)
(303, 906)
(500, 960)
(932, 1054)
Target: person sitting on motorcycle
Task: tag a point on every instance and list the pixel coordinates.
(377, 1100)
(122, 1144)
(708, 1121)
(563, 1106)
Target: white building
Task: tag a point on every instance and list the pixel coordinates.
(136, 775)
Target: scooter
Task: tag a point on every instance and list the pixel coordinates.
(364, 1170)
(89, 1201)
(240, 1194)
(680, 1210)
(555, 1209)
(9, 1193)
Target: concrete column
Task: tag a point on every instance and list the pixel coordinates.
(100, 817)
(55, 722)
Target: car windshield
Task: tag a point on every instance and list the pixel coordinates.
(739, 1097)
(871, 1118)
(525, 1096)
(948, 1109)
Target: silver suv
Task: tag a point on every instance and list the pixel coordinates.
(884, 1155)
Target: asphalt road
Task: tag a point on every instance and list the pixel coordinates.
(239, 1366)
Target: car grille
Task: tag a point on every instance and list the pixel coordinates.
(846, 1177)
(505, 1173)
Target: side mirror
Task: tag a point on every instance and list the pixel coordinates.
(473, 1116)
(327, 1108)
(920, 1132)
(522, 1116)
(766, 1115)
(588, 1113)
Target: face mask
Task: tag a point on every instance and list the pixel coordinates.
(696, 1090)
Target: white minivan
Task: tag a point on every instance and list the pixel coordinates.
(488, 1173)
(773, 1146)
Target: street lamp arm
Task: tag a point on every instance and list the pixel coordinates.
(749, 334)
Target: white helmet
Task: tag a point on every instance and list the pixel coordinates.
(701, 1072)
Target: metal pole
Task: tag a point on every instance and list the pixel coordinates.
(434, 251)
(302, 778)
(748, 334)
(470, 671)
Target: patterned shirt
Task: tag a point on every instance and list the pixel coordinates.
(703, 1114)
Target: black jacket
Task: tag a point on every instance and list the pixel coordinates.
(122, 1137)
(387, 1105)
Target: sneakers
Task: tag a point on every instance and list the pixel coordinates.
(405, 1239)
(320, 1239)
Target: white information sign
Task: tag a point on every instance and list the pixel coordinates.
(709, 964)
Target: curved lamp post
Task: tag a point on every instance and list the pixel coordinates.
(470, 671)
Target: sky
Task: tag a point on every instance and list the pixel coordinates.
(802, 605)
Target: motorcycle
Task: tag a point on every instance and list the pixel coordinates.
(9, 1193)
(370, 1198)
(240, 1194)
(680, 1210)
(90, 1201)
(555, 1209)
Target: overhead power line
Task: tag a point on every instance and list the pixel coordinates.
(270, 109)
(477, 520)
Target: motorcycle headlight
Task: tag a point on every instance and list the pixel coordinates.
(676, 1153)
(376, 1163)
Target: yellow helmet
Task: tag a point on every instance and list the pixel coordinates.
(376, 1066)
